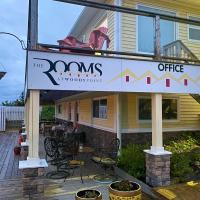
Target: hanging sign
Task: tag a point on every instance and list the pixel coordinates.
(56, 71)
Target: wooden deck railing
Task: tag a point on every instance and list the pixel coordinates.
(179, 50)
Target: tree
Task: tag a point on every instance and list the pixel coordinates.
(48, 112)
(18, 102)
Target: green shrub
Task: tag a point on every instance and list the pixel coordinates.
(181, 159)
(182, 146)
(181, 166)
(132, 160)
(48, 113)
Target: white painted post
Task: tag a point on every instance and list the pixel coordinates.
(118, 120)
(34, 111)
(156, 99)
(157, 138)
(157, 159)
(27, 116)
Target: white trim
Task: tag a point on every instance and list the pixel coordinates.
(98, 127)
(32, 163)
(25, 144)
(157, 151)
(117, 27)
(98, 99)
(149, 130)
(192, 26)
(157, 8)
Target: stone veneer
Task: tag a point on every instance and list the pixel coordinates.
(33, 185)
(157, 170)
(96, 137)
(146, 138)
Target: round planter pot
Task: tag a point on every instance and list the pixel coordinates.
(17, 150)
(82, 193)
(135, 194)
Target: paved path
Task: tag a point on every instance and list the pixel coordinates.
(53, 189)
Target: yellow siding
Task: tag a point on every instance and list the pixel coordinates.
(189, 109)
(129, 39)
(110, 121)
(85, 113)
(189, 113)
(85, 110)
(62, 114)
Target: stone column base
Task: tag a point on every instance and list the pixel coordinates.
(33, 186)
(158, 168)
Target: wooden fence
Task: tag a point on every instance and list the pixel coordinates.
(10, 114)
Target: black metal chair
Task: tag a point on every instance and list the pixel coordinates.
(56, 158)
(107, 159)
(62, 155)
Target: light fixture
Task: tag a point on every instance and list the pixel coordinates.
(21, 41)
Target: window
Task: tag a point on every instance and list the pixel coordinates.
(169, 109)
(59, 109)
(145, 25)
(100, 108)
(194, 31)
(144, 109)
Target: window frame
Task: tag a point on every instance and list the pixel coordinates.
(176, 27)
(99, 99)
(194, 27)
(164, 120)
(59, 109)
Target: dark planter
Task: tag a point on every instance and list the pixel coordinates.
(80, 195)
(17, 150)
(134, 194)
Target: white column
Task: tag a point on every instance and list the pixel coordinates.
(27, 116)
(157, 137)
(34, 108)
(33, 160)
(118, 118)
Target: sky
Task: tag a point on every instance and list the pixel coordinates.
(55, 21)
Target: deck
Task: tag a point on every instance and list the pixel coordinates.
(9, 168)
(12, 185)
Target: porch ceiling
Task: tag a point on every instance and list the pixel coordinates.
(49, 97)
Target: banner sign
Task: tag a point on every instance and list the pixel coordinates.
(56, 71)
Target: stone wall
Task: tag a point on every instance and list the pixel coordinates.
(145, 138)
(96, 137)
(104, 138)
(157, 170)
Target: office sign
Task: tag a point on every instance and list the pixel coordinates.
(56, 71)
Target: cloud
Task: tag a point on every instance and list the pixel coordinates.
(55, 21)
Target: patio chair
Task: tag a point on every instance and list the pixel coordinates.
(107, 158)
(52, 151)
(96, 40)
(63, 156)
(71, 147)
